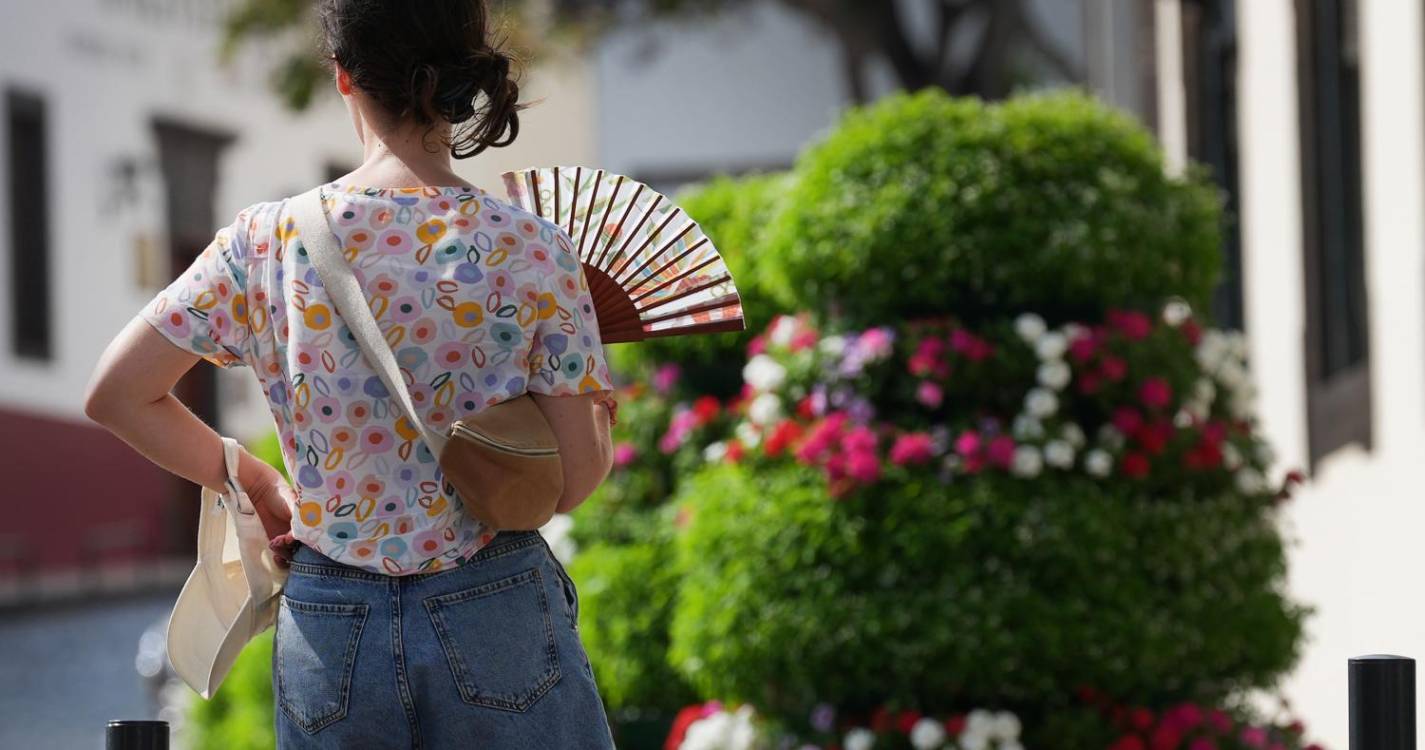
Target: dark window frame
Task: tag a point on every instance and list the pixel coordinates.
(1339, 401)
(27, 144)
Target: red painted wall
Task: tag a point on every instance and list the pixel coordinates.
(75, 495)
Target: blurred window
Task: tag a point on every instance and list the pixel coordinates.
(1210, 83)
(1337, 353)
(28, 165)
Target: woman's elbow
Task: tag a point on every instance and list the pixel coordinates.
(584, 476)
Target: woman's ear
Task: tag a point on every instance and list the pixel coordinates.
(343, 79)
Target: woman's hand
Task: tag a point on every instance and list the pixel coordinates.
(273, 499)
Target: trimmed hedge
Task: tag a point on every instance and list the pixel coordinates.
(925, 204)
(989, 591)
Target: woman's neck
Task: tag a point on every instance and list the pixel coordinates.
(403, 160)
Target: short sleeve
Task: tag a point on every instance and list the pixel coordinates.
(204, 310)
(567, 356)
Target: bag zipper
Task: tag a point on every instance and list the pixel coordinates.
(516, 450)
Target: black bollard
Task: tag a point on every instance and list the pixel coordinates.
(136, 735)
(1382, 702)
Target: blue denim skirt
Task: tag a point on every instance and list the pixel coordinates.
(485, 655)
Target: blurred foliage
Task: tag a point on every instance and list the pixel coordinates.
(1055, 203)
(734, 213)
(240, 715)
(991, 592)
(625, 601)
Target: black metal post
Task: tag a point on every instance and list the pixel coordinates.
(1382, 702)
(136, 735)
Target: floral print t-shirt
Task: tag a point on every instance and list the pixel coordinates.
(481, 302)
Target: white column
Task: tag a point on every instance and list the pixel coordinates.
(1172, 98)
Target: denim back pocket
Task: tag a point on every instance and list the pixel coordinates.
(499, 641)
(315, 654)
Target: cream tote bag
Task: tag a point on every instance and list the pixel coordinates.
(232, 593)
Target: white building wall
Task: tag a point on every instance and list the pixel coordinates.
(105, 68)
(1356, 524)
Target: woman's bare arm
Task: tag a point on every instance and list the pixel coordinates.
(129, 394)
(581, 426)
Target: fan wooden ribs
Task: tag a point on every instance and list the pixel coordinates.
(651, 271)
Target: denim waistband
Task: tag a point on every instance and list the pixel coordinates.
(308, 559)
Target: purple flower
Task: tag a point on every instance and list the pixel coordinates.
(822, 717)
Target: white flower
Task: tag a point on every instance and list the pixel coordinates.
(1212, 350)
(1030, 327)
(715, 452)
(1098, 463)
(927, 734)
(1006, 726)
(1073, 434)
(1028, 462)
(722, 731)
(556, 532)
(1054, 375)
(1183, 419)
(1040, 403)
(1251, 481)
(974, 741)
(1072, 331)
(1051, 346)
(979, 721)
(860, 738)
(1231, 457)
(1059, 454)
(764, 373)
(783, 331)
(1176, 312)
(765, 409)
(1011, 745)
(1026, 427)
(748, 434)
(1265, 454)
(832, 346)
(1110, 437)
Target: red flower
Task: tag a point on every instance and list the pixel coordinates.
(706, 409)
(1128, 742)
(806, 408)
(735, 450)
(1202, 743)
(905, 720)
(1127, 420)
(685, 717)
(1134, 325)
(1113, 369)
(880, 719)
(1155, 393)
(783, 435)
(955, 725)
(1088, 383)
(1141, 719)
(1166, 737)
(802, 339)
(1214, 432)
(1135, 465)
(1203, 456)
(1154, 436)
(1219, 720)
(1001, 451)
(1192, 331)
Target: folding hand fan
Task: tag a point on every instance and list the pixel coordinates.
(651, 270)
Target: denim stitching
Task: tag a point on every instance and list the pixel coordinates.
(398, 653)
(469, 692)
(484, 553)
(358, 611)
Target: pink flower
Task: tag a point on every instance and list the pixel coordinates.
(666, 376)
(863, 466)
(1001, 451)
(757, 345)
(1155, 393)
(875, 343)
(969, 345)
(803, 339)
(1134, 325)
(929, 394)
(1219, 720)
(624, 454)
(912, 448)
(968, 444)
(928, 358)
(859, 438)
(1083, 347)
(1202, 743)
(1254, 737)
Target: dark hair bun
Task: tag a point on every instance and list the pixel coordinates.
(430, 66)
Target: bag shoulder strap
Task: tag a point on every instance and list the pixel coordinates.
(316, 236)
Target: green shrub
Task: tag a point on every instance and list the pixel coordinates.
(240, 715)
(924, 204)
(625, 601)
(991, 591)
(734, 212)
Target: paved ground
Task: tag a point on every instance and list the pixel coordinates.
(65, 670)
